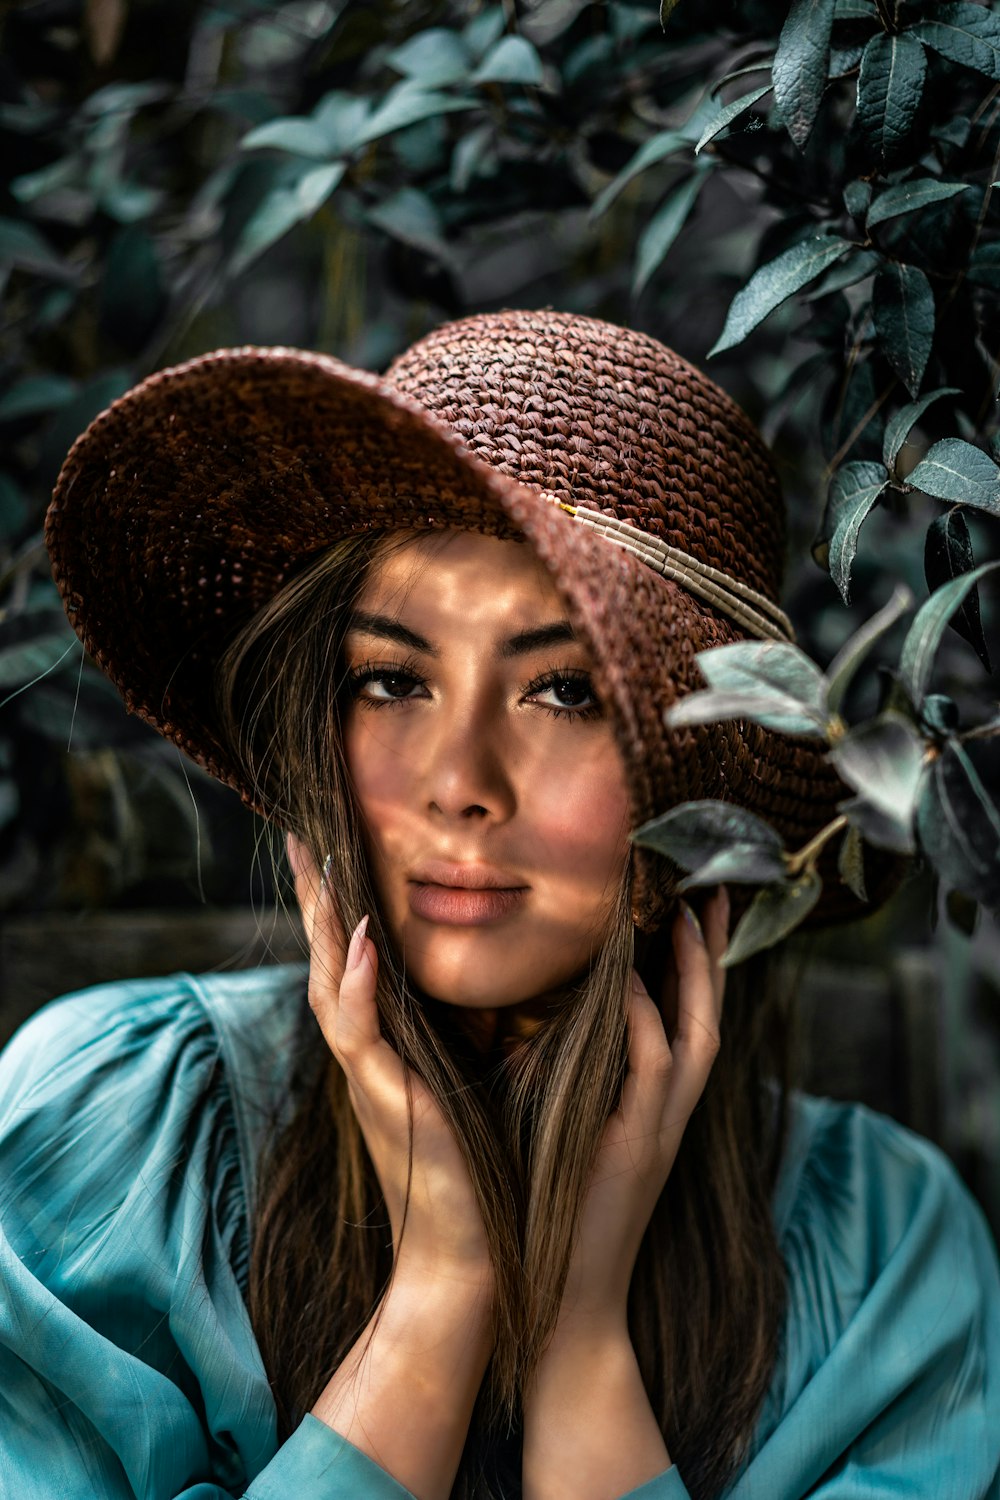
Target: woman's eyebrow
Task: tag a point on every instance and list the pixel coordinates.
(558, 633)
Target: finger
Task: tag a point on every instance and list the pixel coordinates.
(324, 931)
(650, 1060)
(696, 1041)
(357, 1022)
(715, 923)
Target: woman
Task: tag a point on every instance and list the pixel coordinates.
(475, 1209)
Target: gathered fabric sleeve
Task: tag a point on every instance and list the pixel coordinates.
(128, 1366)
(888, 1383)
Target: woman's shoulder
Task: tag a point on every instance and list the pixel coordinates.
(891, 1346)
(142, 1054)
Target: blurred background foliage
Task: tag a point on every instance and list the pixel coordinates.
(345, 174)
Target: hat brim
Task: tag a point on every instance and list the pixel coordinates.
(187, 504)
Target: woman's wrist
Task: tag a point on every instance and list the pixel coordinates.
(589, 1430)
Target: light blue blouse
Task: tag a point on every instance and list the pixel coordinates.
(132, 1117)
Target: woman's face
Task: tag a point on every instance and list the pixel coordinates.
(492, 790)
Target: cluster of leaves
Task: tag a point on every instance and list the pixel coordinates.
(344, 174)
(902, 245)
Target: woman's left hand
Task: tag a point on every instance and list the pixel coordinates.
(663, 1084)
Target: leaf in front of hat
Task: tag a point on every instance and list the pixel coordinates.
(924, 635)
(801, 63)
(775, 282)
(956, 470)
(773, 913)
(958, 825)
(771, 682)
(716, 841)
(854, 491)
(903, 314)
(851, 863)
(883, 761)
(948, 554)
(840, 672)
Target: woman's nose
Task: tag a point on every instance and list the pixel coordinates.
(468, 772)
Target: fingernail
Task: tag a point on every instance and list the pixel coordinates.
(357, 945)
(693, 924)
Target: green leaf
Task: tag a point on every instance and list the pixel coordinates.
(854, 490)
(411, 217)
(295, 135)
(750, 665)
(903, 311)
(958, 824)
(405, 105)
(435, 58)
(984, 267)
(883, 762)
(717, 841)
(956, 470)
(24, 664)
(800, 65)
(890, 87)
(897, 429)
(924, 635)
(773, 283)
(965, 34)
(664, 227)
(24, 246)
(857, 197)
(512, 60)
(908, 197)
(840, 672)
(772, 914)
(482, 31)
(766, 706)
(847, 272)
(665, 143)
(947, 555)
(133, 296)
(854, 10)
(35, 395)
(342, 117)
(667, 8)
(727, 113)
(851, 863)
(295, 199)
(771, 682)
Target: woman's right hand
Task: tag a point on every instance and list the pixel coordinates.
(444, 1237)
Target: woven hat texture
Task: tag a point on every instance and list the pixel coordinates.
(185, 506)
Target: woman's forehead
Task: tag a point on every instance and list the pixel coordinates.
(458, 572)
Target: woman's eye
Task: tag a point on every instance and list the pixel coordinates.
(567, 693)
(383, 685)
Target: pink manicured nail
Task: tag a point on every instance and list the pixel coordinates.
(357, 945)
(693, 924)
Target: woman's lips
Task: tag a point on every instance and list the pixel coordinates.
(463, 906)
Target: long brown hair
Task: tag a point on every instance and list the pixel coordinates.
(707, 1294)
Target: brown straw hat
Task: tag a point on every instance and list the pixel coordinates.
(184, 507)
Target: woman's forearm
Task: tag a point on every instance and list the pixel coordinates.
(589, 1430)
(404, 1394)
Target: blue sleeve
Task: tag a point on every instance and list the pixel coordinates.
(889, 1379)
(128, 1366)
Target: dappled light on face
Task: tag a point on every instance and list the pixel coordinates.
(491, 789)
